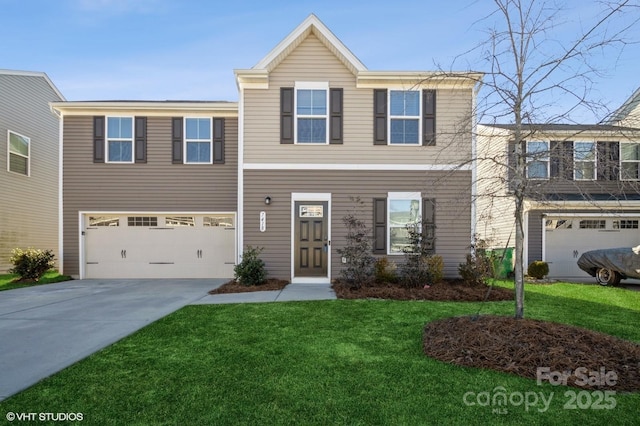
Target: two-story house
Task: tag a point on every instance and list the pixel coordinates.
(180, 188)
(29, 154)
(583, 191)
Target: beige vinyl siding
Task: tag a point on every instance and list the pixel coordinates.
(155, 186)
(452, 192)
(311, 61)
(29, 206)
(495, 223)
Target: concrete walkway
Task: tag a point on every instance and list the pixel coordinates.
(44, 329)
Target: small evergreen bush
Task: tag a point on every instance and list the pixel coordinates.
(421, 266)
(538, 269)
(385, 271)
(251, 271)
(31, 264)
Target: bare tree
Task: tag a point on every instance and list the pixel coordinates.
(528, 67)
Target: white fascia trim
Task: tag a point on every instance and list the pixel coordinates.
(561, 215)
(381, 167)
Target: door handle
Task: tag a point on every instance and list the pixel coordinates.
(123, 254)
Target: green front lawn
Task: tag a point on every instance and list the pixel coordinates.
(7, 280)
(326, 362)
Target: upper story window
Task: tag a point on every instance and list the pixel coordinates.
(404, 117)
(197, 136)
(311, 121)
(120, 139)
(19, 157)
(584, 158)
(538, 160)
(630, 160)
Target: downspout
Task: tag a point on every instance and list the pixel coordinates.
(60, 116)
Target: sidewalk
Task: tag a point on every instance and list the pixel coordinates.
(290, 293)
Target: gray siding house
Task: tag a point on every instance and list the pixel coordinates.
(30, 159)
(168, 189)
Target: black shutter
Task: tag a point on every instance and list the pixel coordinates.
(218, 141)
(286, 114)
(335, 126)
(561, 159)
(429, 223)
(98, 139)
(428, 117)
(176, 140)
(380, 116)
(380, 226)
(140, 141)
(608, 160)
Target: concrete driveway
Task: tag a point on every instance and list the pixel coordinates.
(46, 328)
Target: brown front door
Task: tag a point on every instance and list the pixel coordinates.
(311, 238)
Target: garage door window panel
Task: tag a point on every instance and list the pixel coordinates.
(593, 224)
(218, 221)
(104, 221)
(183, 221)
(142, 221)
(625, 224)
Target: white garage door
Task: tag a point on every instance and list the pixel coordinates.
(566, 238)
(159, 245)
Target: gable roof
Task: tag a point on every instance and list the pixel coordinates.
(625, 109)
(257, 77)
(310, 25)
(34, 74)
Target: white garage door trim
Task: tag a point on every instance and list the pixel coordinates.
(631, 239)
(84, 215)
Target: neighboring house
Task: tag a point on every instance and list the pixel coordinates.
(628, 115)
(584, 191)
(312, 129)
(29, 154)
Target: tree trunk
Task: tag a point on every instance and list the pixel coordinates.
(519, 261)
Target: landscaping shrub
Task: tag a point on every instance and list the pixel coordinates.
(385, 271)
(358, 270)
(251, 270)
(421, 266)
(31, 264)
(538, 269)
(476, 269)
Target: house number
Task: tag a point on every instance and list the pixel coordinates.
(263, 221)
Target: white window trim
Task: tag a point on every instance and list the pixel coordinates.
(404, 117)
(546, 158)
(108, 139)
(28, 157)
(186, 141)
(310, 85)
(400, 196)
(595, 161)
(621, 144)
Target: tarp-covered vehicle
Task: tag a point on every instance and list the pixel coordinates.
(609, 266)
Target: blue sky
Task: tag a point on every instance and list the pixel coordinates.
(188, 49)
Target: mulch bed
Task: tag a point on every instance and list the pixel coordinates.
(454, 291)
(521, 346)
(234, 287)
